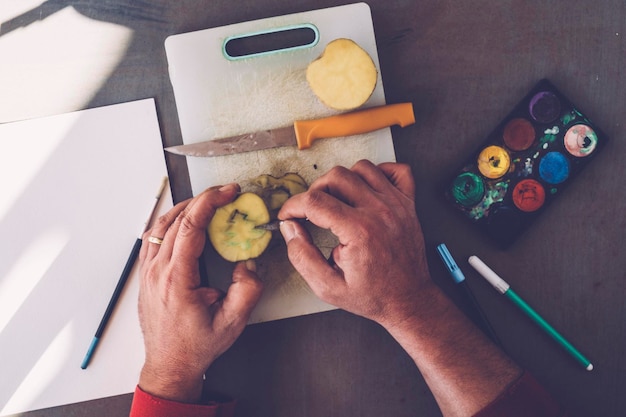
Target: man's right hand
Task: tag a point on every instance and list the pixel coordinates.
(379, 268)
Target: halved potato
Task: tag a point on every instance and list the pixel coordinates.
(233, 231)
(344, 76)
(275, 191)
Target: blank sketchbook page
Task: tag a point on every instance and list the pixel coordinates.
(76, 190)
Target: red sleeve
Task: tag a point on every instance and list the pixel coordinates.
(146, 405)
(525, 397)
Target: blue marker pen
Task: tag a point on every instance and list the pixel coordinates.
(459, 279)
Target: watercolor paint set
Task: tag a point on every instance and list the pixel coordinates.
(524, 164)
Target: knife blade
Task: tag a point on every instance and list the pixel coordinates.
(304, 132)
(274, 225)
(271, 226)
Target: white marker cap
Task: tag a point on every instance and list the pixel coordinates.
(487, 273)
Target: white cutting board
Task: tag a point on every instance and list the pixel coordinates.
(217, 96)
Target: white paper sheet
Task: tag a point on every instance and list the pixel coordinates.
(75, 191)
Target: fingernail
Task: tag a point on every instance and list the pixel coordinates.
(251, 265)
(227, 188)
(288, 230)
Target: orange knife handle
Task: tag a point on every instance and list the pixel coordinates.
(353, 123)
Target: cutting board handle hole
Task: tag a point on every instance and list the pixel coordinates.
(270, 41)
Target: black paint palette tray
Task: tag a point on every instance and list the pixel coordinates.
(524, 164)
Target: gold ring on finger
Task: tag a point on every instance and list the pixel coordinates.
(156, 240)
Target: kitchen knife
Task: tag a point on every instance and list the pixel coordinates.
(304, 132)
(274, 225)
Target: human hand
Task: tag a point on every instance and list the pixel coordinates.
(186, 326)
(379, 268)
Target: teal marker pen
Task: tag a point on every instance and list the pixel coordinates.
(504, 288)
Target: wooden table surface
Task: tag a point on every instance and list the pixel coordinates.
(464, 65)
